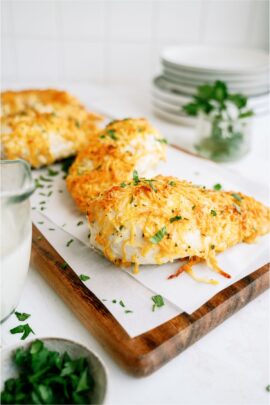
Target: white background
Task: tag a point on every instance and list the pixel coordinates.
(117, 41)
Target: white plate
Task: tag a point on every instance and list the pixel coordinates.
(216, 59)
(167, 107)
(177, 88)
(262, 74)
(166, 95)
(174, 118)
(250, 82)
(173, 102)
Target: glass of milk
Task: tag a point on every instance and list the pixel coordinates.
(15, 232)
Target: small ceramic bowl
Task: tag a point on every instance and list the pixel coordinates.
(75, 350)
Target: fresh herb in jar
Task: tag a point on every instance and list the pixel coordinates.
(223, 122)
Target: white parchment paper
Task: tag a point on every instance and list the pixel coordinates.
(183, 292)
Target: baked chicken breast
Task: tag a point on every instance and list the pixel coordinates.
(43, 126)
(111, 157)
(163, 219)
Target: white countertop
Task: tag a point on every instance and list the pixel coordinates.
(228, 366)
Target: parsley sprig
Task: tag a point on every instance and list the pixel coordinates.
(215, 96)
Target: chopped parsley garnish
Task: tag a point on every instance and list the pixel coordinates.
(79, 223)
(132, 199)
(213, 213)
(42, 202)
(163, 140)
(172, 183)
(48, 377)
(268, 388)
(40, 222)
(128, 311)
(49, 193)
(217, 187)
(111, 133)
(212, 247)
(69, 242)
(22, 316)
(64, 265)
(176, 218)
(102, 136)
(121, 303)
(77, 124)
(24, 329)
(159, 235)
(51, 229)
(42, 208)
(123, 185)
(42, 178)
(150, 182)
(38, 184)
(136, 177)
(43, 194)
(236, 196)
(158, 302)
(83, 277)
(114, 301)
(238, 208)
(193, 207)
(52, 172)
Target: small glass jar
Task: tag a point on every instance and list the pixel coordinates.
(16, 231)
(223, 136)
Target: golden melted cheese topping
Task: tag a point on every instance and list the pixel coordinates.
(166, 219)
(111, 157)
(42, 126)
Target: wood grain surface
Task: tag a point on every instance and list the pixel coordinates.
(145, 353)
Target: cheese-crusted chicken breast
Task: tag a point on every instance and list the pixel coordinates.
(112, 156)
(47, 101)
(162, 219)
(43, 126)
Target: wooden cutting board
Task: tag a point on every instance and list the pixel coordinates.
(145, 353)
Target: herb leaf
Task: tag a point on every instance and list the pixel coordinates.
(136, 177)
(24, 329)
(150, 182)
(111, 133)
(69, 242)
(217, 187)
(52, 172)
(158, 301)
(83, 277)
(176, 218)
(236, 196)
(159, 235)
(163, 140)
(22, 316)
(213, 213)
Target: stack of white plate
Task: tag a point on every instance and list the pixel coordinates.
(184, 68)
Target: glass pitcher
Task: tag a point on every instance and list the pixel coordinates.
(16, 231)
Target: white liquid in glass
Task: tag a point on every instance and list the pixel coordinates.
(15, 242)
